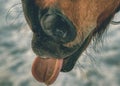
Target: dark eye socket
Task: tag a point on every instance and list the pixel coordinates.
(57, 27)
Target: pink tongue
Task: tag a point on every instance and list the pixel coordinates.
(46, 70)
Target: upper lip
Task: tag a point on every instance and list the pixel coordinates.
(44, 44)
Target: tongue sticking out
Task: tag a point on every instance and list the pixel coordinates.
(46, 70)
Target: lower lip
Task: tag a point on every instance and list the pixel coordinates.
(46, 70)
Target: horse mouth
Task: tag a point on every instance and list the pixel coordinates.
(69, 61)
(46, 70)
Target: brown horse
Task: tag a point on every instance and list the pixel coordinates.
(64, 28)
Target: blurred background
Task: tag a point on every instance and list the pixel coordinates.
(98, 66)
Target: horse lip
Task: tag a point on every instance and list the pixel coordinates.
(69, 62)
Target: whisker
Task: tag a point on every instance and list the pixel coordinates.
(115, 22)
(14, 13)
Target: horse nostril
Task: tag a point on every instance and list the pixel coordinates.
(57, 27)
(58, 32)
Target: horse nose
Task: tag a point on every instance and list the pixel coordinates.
(58, 27)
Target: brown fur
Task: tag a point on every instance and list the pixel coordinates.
(45, 3)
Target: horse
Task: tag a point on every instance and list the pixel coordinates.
(63, 29)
